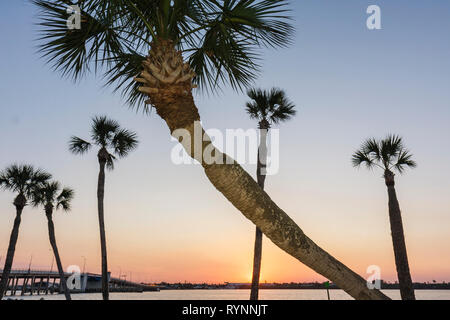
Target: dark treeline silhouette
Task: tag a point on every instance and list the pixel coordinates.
(291, 286)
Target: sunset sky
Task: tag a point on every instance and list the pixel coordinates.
(168, 223)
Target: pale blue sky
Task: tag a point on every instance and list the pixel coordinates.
(349, 83)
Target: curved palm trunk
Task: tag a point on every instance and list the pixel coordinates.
(19, 203)
(261, 177)
(102, 156)
(246, 195)
(398, 241)
(52, 238)
(174, 103)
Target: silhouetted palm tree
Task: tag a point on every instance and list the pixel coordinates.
(268, 108)
(105, 134)
(390, 155)
(51, 197)
(22, 180)
(174, 46)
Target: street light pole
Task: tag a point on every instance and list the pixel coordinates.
(53, 258)
(51, 268)
(29, 265)
(84, 264)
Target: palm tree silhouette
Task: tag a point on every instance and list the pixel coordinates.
(268, 108)
(22, 180)
(106, 134)
(174, 46)
(51, 197)
(390, 155)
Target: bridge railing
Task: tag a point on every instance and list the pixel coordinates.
(32, 271)
(46, 273)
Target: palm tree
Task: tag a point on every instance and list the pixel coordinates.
(51, 197)
(105, 133)
(390, 155)
(22, 180)
(174, 46)
(268, 108)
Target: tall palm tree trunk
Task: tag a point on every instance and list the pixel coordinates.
(398, 241)
(19, 203)
(261, 177)
(175, 104)
(102, 156)
(52, 238)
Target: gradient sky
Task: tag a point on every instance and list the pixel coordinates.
(168, 223)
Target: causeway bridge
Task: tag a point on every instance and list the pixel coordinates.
(37, 282)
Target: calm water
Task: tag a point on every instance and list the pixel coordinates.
(241, 295)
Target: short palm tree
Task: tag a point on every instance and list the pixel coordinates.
(51, 197)
(158, 52)
(106, 134)
(22, 180)
(390, 155)
(268, 108)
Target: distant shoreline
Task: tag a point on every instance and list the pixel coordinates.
(443, 289)
(289, 286)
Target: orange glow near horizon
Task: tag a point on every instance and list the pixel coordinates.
(217, 260)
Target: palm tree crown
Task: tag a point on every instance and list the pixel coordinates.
(50, 193)
(22, 179)
(388, 154)
(217, 38)
(269, 107)
(106, 133)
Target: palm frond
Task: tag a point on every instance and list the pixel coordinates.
(37, 198)
(78, 145)
(371, 146)
(103, 130)
(386, 154)
(283, 113)
(123, 142)
(45, 193)
(120, 74)
(404, 160)
(253, 110)
(64, 199)
(221, 59)
(361, 158)
(266, 23)
(75, 51)
(22, 179)
(221, 39)
(390, 148)
(281, 108)
(272, 106)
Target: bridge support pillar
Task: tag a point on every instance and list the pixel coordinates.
(7, 285)
(40, 286)
(54, 280)
(48, 284)
(33, 278)
(16, 285)
(13, 286)
(24, 286)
